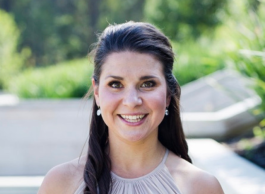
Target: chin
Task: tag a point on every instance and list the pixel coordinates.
(134, 137)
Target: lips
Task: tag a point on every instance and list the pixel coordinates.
(133, 118)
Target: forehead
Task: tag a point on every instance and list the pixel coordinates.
(132, 63)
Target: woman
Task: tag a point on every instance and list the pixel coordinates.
(136, 143)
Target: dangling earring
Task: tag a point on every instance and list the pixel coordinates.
(98, 111)
(166, 112)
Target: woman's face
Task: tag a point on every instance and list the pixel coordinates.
(132, 95)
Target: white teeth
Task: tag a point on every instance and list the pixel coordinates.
(132, 118)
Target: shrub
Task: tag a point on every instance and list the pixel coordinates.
(65, 80)
(73, 78)
(10, 60)
(246, 26)
(248, 57)
(195, 59)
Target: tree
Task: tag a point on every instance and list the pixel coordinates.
(184, 19)
(64, 29)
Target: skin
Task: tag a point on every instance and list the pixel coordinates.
(133, 84)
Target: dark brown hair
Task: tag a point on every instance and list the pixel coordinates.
(142, 38)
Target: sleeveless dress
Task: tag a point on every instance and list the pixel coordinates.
(158, 181)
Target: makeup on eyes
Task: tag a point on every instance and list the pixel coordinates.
(146, 84)
(115, 84)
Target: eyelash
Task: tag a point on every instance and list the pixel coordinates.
(114, 84)
(111, 84)
(149, 82)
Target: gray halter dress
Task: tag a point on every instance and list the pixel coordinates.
(159, 181)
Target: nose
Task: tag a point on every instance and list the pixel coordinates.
(131, 98)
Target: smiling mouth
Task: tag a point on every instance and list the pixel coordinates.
(133, 118)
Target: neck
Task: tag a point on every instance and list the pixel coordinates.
(135, 159)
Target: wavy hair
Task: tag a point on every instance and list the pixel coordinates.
(142, 38)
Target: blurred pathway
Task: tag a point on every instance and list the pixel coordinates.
(38, 134)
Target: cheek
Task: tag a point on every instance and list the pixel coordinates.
(105, 96)
(108, 102)
(158, 101)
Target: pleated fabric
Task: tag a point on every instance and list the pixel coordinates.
(159, 181)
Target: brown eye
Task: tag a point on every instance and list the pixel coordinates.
(148, 84)
(115, 84)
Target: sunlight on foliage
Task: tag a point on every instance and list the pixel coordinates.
(245, 27)
(10, 60)
(65, 80)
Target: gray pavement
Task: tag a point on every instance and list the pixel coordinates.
(38, 134)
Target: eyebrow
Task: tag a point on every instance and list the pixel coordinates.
(115, 77)
(147, 77)
(141, 78)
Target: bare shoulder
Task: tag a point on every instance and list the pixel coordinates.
(191, 179)
(64, 178)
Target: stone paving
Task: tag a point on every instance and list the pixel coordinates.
(38, 134)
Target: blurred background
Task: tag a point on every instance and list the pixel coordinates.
(45, 70)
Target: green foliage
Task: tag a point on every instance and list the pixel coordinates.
(184, 19)
(259, 132)
(64, 80)
(246, 27)
(191, 24)
(61, 30)
(116, 11)
(54, 30)
(73, 78)
(197, 59)
(10, 60)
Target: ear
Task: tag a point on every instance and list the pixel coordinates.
(95, 89)
(168, 99)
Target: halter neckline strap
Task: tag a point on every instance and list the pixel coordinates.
(161, 164)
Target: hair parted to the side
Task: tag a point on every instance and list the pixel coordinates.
(142, 38)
